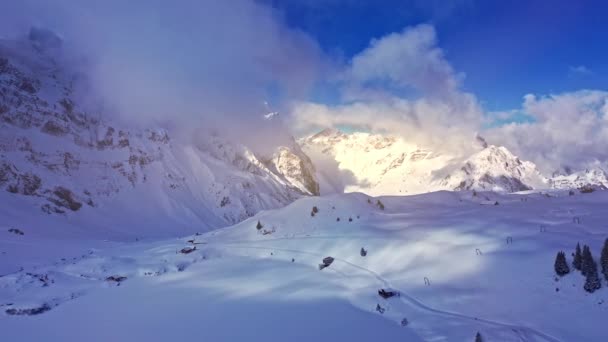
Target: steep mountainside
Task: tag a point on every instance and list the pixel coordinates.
(596, 176)
(382, 165)
(58, 160)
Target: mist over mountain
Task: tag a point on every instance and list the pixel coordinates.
(69, 164)
(388, 165)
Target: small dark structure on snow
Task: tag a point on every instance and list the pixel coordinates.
(188, 250)
(16, 231)
(387, 294)
(363, 252)
(326, 262)
(116, 278)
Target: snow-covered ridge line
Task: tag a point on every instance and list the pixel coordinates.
(384, 165)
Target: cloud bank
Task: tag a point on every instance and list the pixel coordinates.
(181, 63)
(568, 130)
(210, 65)
(401, 84)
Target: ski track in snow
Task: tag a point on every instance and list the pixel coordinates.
(407, 299)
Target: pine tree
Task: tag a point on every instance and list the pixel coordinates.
(561, 265)
(315, 209)
(478, 337)
(586, 261)
(589, 269)
(592, 282)
(259, 226)
(380, 205)
(577, 263)
(604, 259)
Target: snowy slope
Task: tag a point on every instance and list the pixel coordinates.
(241, 282)
(69, 165)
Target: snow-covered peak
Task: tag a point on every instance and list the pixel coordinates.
(494, 168)
(596, 176)
(387, 165)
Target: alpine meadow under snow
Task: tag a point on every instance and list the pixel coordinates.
(158, 183)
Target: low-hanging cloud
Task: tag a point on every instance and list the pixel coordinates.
(434, 112)
(181, 63)
(567, 130)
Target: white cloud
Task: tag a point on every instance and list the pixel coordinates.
(186, 63)
(579, 70)
(409, 59)
(435, 114)
(569, 129)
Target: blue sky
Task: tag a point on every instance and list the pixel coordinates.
(506, 49)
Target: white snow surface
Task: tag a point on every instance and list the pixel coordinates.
(242, 283)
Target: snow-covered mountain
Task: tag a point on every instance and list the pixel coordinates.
(596, 176)
(494, 168)
(383, 165)
(58, 160)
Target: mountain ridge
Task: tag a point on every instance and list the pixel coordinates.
(387, 165)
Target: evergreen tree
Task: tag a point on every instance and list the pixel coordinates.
(578, 258)
(589, 269)
(604, 259)
(592, 282)
(478, 337)
(315, 209)
(259, 226)
(380, 205)
(561, 265)
(586, 261)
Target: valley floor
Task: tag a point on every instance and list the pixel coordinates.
(490, 269)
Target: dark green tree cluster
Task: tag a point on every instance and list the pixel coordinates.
(583, 261)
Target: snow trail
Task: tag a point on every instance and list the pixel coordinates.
(408, 299)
